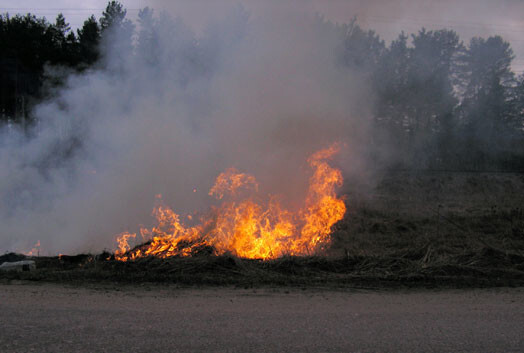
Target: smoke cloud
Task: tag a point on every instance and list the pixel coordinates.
(258, 89)
(469, 18)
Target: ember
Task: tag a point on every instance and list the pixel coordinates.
(246, 228)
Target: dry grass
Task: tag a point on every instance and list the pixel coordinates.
(426, 267)
(423, 230)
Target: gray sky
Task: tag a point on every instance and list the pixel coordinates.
(388, 18)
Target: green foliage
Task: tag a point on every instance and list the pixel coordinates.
(89, 41)
(442, 104)
(488, 69)
(489, 126)
(446, 105)
(117, 35)
(114, 15)
(362, 49)
(29, 45)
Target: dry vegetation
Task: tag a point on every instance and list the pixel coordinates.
(422, 229)
(441, 212)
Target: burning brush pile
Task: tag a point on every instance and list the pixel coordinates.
(243, 227)
(247, 242)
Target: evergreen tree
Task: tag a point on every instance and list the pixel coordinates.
(362, 50)
(25, 47)
(485, 108)
(432, 100)
(65, 45)
(518, 105)
(147, 43)
(117, 35)
(89, 42)
(390, 82)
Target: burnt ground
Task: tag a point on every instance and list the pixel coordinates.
(408, 230)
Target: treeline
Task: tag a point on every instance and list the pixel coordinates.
(35, 55)
(441, 104)
(437, 103)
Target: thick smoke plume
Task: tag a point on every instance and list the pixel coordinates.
(255, 92)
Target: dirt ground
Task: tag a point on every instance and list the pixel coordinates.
(58, 318)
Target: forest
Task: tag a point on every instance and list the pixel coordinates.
(444, 104)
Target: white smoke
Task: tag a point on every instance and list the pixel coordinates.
(258, 92)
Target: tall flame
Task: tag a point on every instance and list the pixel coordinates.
(244, 227)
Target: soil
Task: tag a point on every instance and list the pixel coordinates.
(151, 318)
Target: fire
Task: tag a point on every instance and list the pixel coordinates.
(35, 251)
(230, 181)
(244, 227)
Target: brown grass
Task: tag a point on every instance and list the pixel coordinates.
(436, 230)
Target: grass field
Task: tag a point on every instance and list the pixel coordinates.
(408, 229)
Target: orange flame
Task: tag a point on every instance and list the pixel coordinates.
(246, 228)
(230, 181)
(35, 251)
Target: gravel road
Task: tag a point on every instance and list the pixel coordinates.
(55, 318)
